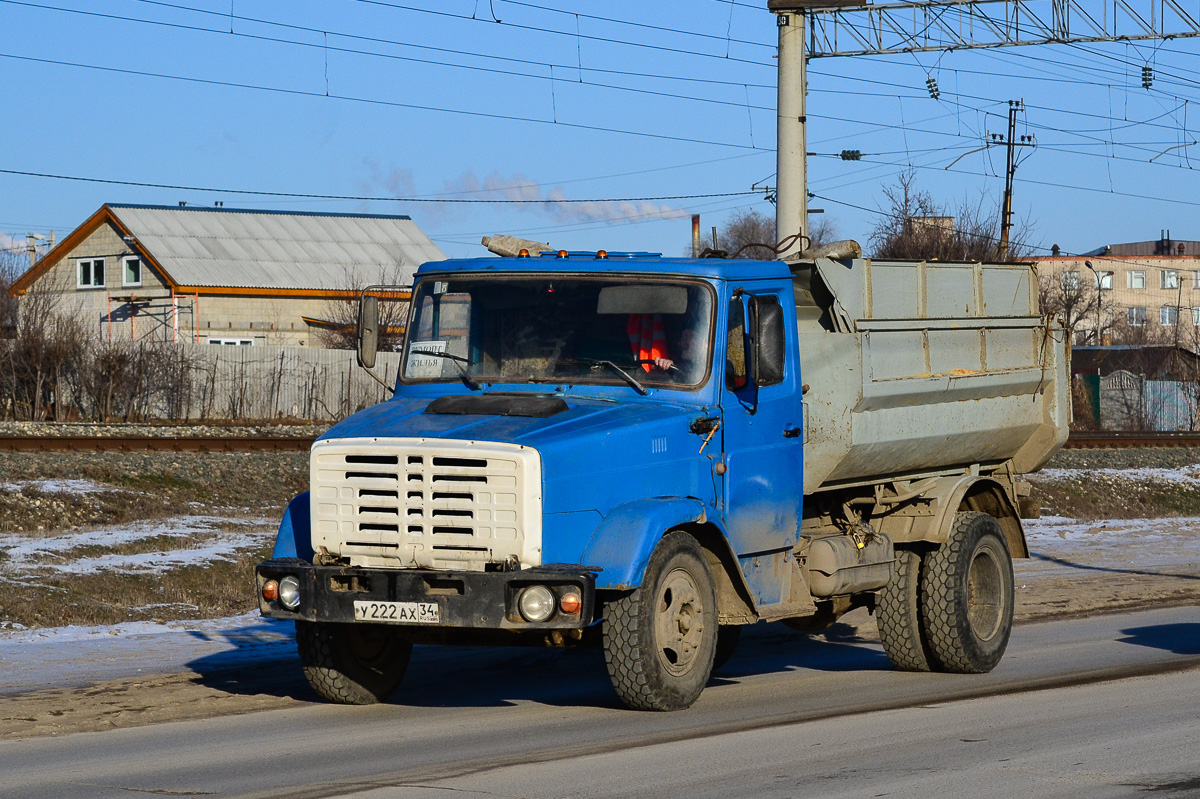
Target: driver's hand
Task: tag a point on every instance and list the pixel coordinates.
(664, 363)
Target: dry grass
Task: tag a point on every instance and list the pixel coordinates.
(1090, 496)
(212, 590)
(137, 487)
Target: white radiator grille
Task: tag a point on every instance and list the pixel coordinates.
(426, 503)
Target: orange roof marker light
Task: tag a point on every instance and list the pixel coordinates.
(602, 255)
(562, 254)
(523, 254)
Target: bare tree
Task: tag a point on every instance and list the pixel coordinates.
(751, 234)
(342, 315)
(917, 227)
(12, 265)
(1074, 298)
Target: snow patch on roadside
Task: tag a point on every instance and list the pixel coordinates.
(57, 657)
(1183, 474)
(56, 486)
(1060, 545)
(201, 541)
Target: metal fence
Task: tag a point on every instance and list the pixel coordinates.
(228, 382)
(1131, 402)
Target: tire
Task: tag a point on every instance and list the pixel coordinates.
(728, 636)
(659, 640)
(898, 614)
(352, 664)
(967, 596)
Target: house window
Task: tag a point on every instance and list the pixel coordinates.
(1196, 317)
(1071, 281)
(91, 273)
(133, 272)
(1137, 316)
(1168, 279)
(1196, 279)
(1106, 281)
(1136, 278)
(1168, 315)
(232, 342)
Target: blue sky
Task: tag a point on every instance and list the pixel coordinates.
(582, 100)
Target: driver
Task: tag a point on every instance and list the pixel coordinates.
(686, 350)
(648, 339)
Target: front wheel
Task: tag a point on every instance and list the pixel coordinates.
(967, 596)
(352, 664)
(659, 640)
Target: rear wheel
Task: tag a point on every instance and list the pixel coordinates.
(659, 640)
(967, 596)
(898, 614)
(352, 664)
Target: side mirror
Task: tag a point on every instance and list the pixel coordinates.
(368, 330)
(767, 349)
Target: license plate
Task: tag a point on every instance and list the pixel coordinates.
(397, 612)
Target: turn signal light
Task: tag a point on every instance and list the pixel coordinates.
(570, 603)
(270, 590)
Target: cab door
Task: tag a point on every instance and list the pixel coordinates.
(761, 416)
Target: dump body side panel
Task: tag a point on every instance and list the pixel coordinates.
(915, 367)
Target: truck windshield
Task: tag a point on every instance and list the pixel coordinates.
(565, 329)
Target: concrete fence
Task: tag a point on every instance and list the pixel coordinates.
(1131, 402)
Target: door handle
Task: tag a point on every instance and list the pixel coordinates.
(792, 432)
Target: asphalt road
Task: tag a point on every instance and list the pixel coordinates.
(1098, 707)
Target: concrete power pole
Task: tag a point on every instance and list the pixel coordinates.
(791, 198)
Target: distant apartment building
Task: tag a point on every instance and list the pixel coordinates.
(1142, 286)
(224, 276)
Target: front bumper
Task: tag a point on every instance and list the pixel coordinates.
(464, 600)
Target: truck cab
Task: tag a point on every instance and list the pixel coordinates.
(610, 448)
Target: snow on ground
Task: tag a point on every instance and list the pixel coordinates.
(55, 486)
(1061, 546)
(75, 656)
(62, 657)
(201, 540)
(1184, 474)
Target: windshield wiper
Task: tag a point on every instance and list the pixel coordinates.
(630, 379)
(454, 359)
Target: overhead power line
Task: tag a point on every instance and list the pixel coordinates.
(508, 117)
(644, 26)
(570, 34)
(310, 196)
(323, 46)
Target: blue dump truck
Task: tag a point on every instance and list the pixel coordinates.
(646, 454)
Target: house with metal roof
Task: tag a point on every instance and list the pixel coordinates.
(223, 275)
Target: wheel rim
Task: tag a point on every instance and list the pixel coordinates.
(986, 599)
(678, 622)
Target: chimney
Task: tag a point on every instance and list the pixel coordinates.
(1054, 250)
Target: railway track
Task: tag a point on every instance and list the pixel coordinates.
(1131, 440)
(147, 443)
(142, 443)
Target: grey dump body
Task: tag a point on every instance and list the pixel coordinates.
(918, 367)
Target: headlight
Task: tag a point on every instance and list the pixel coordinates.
(289, 593)
(536, 603)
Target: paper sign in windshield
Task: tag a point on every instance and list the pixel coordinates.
(425, 366)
